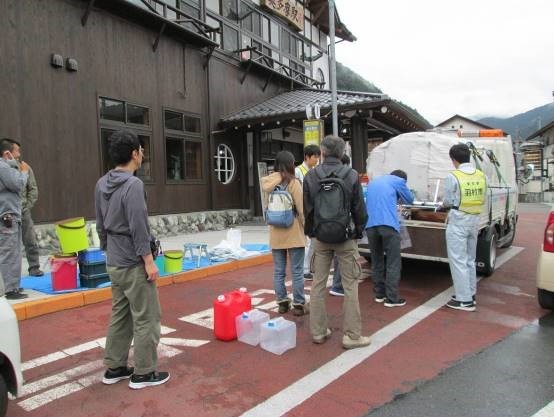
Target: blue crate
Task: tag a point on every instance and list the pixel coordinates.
(92, 255)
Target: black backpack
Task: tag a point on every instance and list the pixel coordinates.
(332, 206)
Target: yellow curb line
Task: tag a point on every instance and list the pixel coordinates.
(30, 309)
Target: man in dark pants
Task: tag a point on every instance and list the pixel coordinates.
(383, 234)
(344, 247)
(122, 225)
(29, 197)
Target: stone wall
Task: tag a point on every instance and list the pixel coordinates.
(162, 225)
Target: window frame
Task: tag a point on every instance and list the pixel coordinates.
(138, 129)
(184, 136)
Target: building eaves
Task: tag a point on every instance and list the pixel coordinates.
(294, 102)
(484, 126)
(320, 11)
(540, 131)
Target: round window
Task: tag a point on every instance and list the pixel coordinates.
(224, 164)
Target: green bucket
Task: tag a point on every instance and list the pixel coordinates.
(173, 261)
(72, 235)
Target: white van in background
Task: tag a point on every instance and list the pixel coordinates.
(10, 353)
(424, 156)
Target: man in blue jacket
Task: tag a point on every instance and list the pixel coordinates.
(383, 234)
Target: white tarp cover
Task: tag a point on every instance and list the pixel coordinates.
(424, 157)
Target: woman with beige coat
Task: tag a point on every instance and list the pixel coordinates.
(290, 240)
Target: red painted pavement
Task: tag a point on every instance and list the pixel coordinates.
(227, 379)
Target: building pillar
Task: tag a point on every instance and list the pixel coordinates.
(257, 156)
(359, 143)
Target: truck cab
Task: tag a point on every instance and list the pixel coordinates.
(424, 157)
(10, 354)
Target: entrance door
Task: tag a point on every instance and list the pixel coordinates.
(228, 165)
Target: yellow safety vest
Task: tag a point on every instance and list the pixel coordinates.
(303, 169)
(473, 188)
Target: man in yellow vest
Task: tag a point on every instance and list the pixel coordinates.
(312, 154)
(465, 191)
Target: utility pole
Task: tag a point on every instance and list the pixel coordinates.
(333, 67)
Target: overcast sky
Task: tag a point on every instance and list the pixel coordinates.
(442, 57)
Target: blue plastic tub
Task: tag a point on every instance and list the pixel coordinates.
(92, 255)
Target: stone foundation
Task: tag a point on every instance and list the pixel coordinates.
(160, 226)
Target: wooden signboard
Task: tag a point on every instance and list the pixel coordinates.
(287, 9)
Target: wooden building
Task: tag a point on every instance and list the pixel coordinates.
(73, 71)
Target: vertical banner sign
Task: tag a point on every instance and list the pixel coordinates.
(313, 132)
(262, 172)
(288, 9)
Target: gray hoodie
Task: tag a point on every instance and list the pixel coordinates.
(12, 181)
(122, 218)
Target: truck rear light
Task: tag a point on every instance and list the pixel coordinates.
(548, 244)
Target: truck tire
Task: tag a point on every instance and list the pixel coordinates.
(3, 397)
(546, 299)
(486, 253)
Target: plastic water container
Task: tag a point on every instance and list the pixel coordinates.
(249, 326)
(226, 308)
(278, 335)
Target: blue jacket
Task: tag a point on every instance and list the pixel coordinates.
(382, 197)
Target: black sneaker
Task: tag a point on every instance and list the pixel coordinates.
(308, 277)
(459, 305)
(35, 272)
(149, 380)
(380, 298)
(398, 303)
(16, 295)
(284, 306)
(453, 297)
(111, 376)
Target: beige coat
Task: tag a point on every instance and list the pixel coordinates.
(292, 237)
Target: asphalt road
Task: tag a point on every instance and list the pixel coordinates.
(514, 378)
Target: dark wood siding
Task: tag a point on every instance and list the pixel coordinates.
(54, 112)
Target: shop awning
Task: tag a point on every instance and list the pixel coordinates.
(292, 105)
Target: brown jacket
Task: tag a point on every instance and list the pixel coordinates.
(292, 237)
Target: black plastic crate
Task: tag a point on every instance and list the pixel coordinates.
(93, 268)
(93, 281)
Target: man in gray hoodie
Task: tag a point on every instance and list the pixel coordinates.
(122, 225)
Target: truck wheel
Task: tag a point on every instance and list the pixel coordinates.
(3, 397)
(486, 254)
(546, 299)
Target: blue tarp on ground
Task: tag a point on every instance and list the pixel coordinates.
(44, 283)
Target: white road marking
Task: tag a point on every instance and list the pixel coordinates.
(205, 318)
(547, 411)
(298, 392)
(173, 341)
(64, 390)
(73, 350)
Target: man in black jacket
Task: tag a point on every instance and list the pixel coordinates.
(331, 173)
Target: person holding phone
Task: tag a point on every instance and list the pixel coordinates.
(13, 178)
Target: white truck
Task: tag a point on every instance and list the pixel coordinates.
(424, 157)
